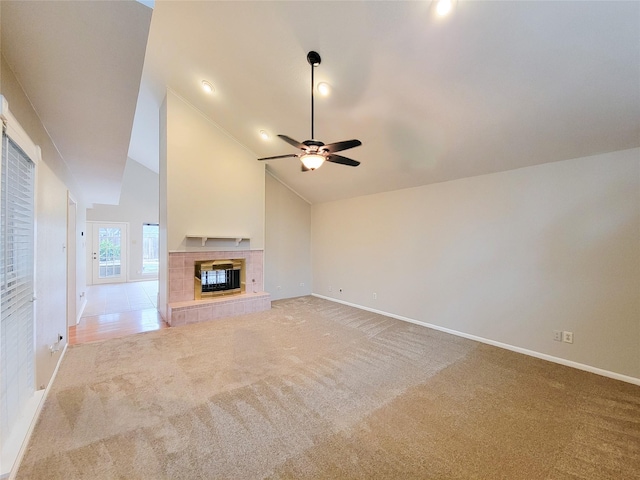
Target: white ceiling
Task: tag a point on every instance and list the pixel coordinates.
(495, 86)
(80, 65)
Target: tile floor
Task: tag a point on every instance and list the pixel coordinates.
(116, 310)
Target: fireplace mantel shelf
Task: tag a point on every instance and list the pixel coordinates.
(204, 238)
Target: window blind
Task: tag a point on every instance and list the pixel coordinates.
(17, 383)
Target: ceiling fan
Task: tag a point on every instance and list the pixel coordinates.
(313, 152)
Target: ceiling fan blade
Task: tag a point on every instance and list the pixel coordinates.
(293, 142)
(339, 146)
(342, 160)
(279, 156)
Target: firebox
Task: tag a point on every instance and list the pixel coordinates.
(219, 277)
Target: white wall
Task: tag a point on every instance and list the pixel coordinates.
(287, 242)
(509, 257)
(53, 181)
(209, 185)
(51, 267)
(139, 204)
(215, 186)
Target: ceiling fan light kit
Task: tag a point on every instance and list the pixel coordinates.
(313, 152)
(312, 161)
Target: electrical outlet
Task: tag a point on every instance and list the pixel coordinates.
(557, 335)
(302, 284)
(567, 337)
(375, 296)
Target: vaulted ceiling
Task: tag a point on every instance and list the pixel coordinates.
(494, 86)
(79, 64)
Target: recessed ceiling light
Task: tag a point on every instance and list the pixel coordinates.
(323, 88)
(264, 135)
(207, 87)
(444, 7)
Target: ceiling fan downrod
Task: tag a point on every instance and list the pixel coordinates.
(314, 60)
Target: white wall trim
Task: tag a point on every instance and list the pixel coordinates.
(36, 415)
(506, 346)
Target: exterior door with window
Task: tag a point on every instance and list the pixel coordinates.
(109, 253)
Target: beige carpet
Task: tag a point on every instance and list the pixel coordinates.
(314, 389)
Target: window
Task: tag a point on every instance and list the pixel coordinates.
(17, 382)
(150, 233)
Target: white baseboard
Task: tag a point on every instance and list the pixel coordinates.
(36, 413)
(531, 353)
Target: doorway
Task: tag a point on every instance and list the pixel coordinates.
(109, 253)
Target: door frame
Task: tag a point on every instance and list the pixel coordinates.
(72, 300)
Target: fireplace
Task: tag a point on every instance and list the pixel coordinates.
(187, 305)
(219, 277)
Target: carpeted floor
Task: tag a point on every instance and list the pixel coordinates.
(314, 389)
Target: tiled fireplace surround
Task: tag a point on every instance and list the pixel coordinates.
(184, 309)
